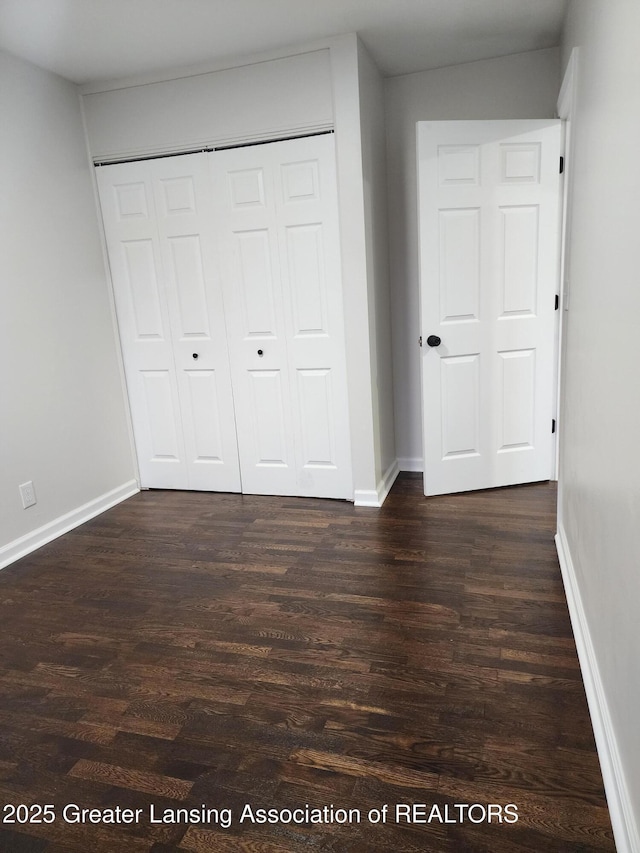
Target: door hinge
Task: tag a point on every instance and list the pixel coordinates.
(557, 302)
(561, 165)
(420, 340)
(553, 425)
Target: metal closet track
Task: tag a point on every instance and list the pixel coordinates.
(205, 149)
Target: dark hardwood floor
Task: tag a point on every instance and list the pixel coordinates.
(187, 649)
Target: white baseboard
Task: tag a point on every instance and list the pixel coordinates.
(411, 463)
(384, 486)
(37, 538)
(369, 497)
(625, 827)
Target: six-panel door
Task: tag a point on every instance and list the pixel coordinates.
(489, 235)
(158, 221)
(277, 233)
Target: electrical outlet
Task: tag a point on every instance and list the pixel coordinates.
(28, 494)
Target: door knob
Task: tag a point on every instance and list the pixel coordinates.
(260, 352)
(434, 341)
(195, 355)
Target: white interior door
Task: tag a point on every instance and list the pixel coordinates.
(276, 222)
(489, 242)
(158, 222)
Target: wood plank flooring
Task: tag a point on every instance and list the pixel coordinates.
(188, 651)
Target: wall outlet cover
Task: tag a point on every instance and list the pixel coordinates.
(28, 494)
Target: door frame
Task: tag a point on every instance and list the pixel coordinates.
(565, 109)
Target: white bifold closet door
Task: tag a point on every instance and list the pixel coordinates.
(158, 223)
(226, 273)
(277, 229)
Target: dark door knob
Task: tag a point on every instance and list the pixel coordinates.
(260, 352)
(434, 341)
(195, 355)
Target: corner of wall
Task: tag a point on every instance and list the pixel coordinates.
(374, 165)
(376, 497)
(351, 202)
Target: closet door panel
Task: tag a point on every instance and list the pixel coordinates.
(247, 238)
(276, 222)
(158, 224)
(306, 204)
(128, 210)
(184, 206)
(162, 418)
(315, 395)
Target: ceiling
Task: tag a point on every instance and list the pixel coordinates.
(90, 40)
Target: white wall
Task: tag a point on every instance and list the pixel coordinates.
(520, 86)
(374, 167)
(355, 282)
(62, 412)
(250, 101)
(600, 416)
